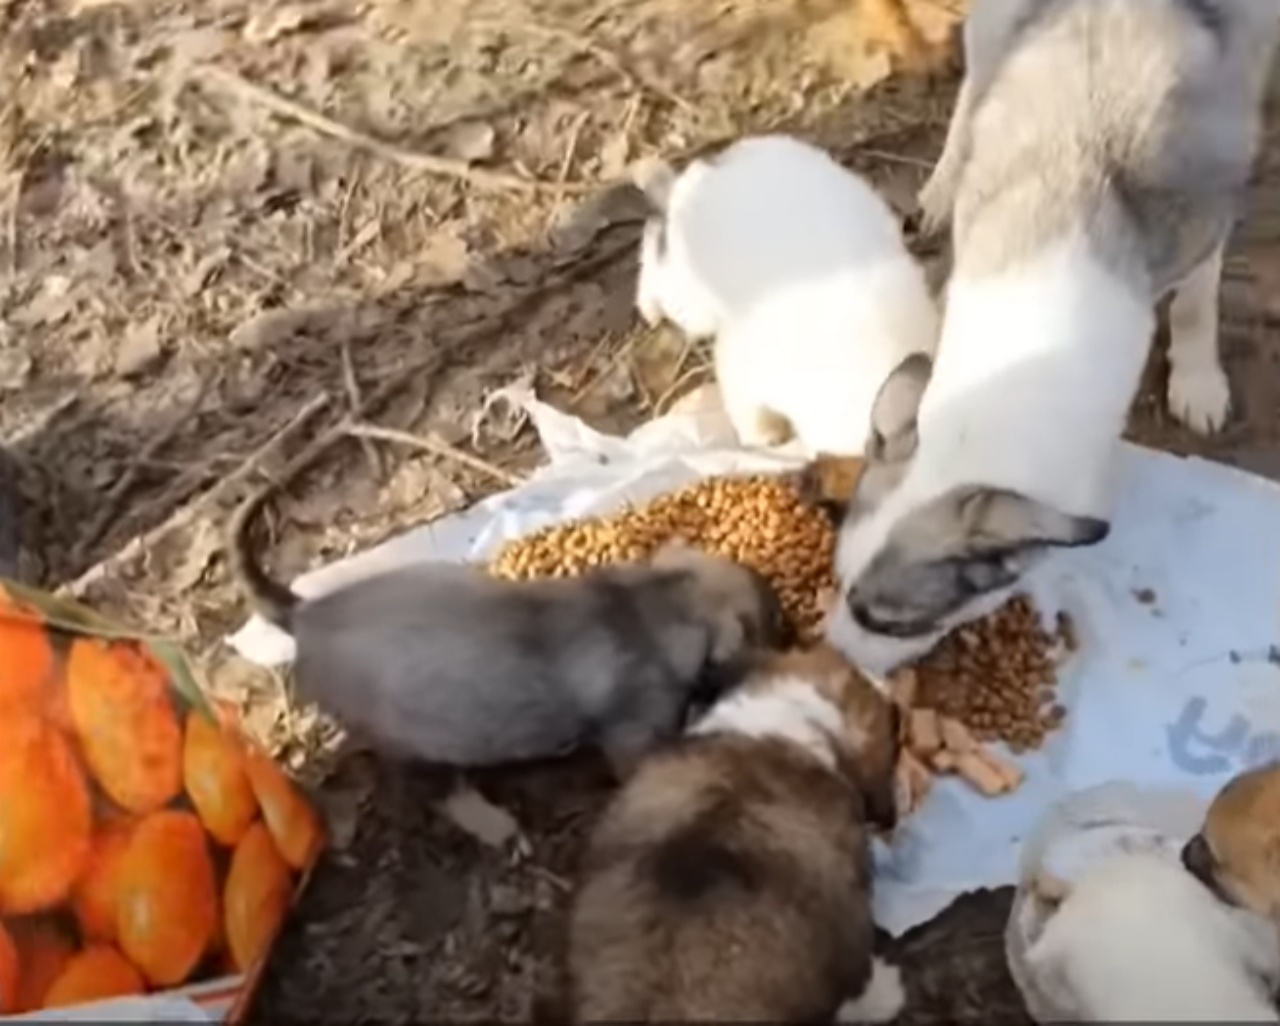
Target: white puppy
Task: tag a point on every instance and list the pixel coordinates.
(1138, 938)
(1094, 163)
(799, 269)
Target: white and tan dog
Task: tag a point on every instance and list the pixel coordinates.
(798, 268)
(1139, 939)
(1236, 853)
(1095, 162)
(730, 878)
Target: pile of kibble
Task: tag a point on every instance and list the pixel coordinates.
(998, 676)
(759, 521)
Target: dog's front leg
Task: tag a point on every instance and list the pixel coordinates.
(937, 196)
(1199, 394)
(648, 286)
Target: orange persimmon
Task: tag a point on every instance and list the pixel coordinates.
(216, 781)
(26, 654)
(257, 895)
(43, 952)
(10, 976)
(120, 707)
(45, 815)
(96, 893)
(95, 974)
(167, 901)
(293, 823)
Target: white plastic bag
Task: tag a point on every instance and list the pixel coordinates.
(1075, 834)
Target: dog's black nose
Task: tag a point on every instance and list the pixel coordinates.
(1197, 859)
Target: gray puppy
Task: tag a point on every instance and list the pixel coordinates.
(444, 663)
(1095, 161)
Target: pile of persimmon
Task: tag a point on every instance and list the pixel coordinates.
(143, 843)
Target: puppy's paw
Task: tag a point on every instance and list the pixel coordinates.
(1199, 396)
(650, 311)
(881, 1001)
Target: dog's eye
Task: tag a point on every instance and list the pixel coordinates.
(903, 628)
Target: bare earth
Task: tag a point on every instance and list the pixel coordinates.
(229, 232)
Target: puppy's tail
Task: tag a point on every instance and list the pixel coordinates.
(273, 601)
(655, 178)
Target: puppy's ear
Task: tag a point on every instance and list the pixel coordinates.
(729, 638)
(1050, 889)
(674, 553)
(998, 520)
(893, 414)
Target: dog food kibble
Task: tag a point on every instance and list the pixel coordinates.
(997, 676)
(993, 680)
(759, 521)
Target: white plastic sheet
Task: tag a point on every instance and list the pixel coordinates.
(1176, 684)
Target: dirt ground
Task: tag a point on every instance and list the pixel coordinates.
(234, 235)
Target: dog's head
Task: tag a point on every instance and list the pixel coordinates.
(868, 743)
(914, 561)
(1236, 854)
(740, 605)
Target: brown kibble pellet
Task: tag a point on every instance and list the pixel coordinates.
(1067, 631)
(925, 733)
(943, 761)
(978, 772)
(955, 736)
(758, 520)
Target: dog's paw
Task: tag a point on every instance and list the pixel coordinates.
(1200, 397)
(881, 1001)
(650, 311)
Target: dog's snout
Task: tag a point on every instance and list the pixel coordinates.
(1196, 857)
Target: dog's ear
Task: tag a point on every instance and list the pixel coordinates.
(1050, 889)
(893, 414)
(676, 554)
(729, 638)
(995, 520)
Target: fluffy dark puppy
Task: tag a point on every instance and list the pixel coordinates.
(447, 664)
(730, 878)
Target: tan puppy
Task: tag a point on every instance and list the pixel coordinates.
(1236, 854)
(730, 878)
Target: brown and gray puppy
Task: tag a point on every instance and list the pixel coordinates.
(730, 879)
(1236, 854)
(447, 664)
(1095, 162)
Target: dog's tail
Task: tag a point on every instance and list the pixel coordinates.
(273, 601)
(655, 178)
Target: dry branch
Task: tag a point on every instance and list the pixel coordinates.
(428, 163)
(588, 264)
(437, 446)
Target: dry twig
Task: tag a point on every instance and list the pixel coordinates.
(142, 542)
(354, 400)
(428, 163)
(109, 509)
(585, 266)
(437, 446)
(587, 45)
